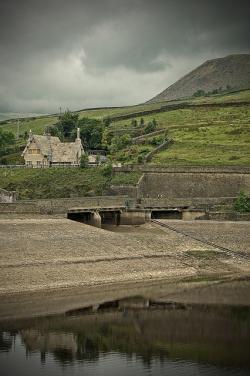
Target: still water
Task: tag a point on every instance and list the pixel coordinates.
(130, 337)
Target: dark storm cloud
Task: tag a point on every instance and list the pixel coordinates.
(89, 53)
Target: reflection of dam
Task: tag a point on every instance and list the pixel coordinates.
(36, 340)
(213, 335)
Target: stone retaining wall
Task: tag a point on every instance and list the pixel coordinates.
(193, 185)
(60, 205)
(8, 196)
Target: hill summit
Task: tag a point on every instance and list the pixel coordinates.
(228, 73)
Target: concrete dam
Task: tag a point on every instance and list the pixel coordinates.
(172, 193)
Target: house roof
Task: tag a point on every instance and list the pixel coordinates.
(65, 152)
(59, 152)
(46, 143)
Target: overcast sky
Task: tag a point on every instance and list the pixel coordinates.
(78, 53)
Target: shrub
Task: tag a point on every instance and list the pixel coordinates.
(84, 161)
(120, 142)
(140, 159)
(150, 127)
(242, 204)
(107, 170)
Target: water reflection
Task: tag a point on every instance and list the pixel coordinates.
(134, 335)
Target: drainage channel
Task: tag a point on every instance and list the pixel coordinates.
(227, 251)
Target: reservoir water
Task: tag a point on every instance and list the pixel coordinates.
(130, 337)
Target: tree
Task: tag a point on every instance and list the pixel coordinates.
(106, 137)
(91, 132)
(154, 123)
(67, 123)
(6, 138)
(134, 122)
(54, 131)
(150, 127)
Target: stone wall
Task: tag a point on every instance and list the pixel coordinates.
(127, 190)
(8, 196)
(189, 182)
(193, 184)
(182, 169)
(176, 106)
(186, 202)
(156, 150)
(60, 205)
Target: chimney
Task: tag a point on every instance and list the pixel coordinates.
(78, 134)
(30, 135)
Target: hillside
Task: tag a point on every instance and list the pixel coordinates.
(228, 73)
(202, 134)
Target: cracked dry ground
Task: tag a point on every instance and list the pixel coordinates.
(41, 253)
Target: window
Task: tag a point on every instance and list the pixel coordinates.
(34, 151)
(38, 163)
(29, 163)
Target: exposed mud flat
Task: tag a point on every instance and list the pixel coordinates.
(49, 264)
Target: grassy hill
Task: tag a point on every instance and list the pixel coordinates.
(230, 72)
(202, 135)
(49, 183)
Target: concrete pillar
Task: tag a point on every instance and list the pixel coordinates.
(190, 215)
(95, 220)
(133, 217)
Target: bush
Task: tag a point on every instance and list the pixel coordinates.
(199, 93)
(106, 121)
(84, 161)
(6, 138)
(142, 122)
(242, 204)
(120, 142)
(107, 170)
(140, 159)
(151, 126)
(157, 140)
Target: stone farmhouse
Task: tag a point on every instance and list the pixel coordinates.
(46, 151)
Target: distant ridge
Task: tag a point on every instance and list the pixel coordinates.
(228, 73)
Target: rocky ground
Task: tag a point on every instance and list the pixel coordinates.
(48, 263)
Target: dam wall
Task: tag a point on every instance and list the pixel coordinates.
(60, 205)
(192, 185)
(190, 182)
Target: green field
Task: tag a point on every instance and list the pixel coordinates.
(61, 182)
(38, 124)
(202, 136)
